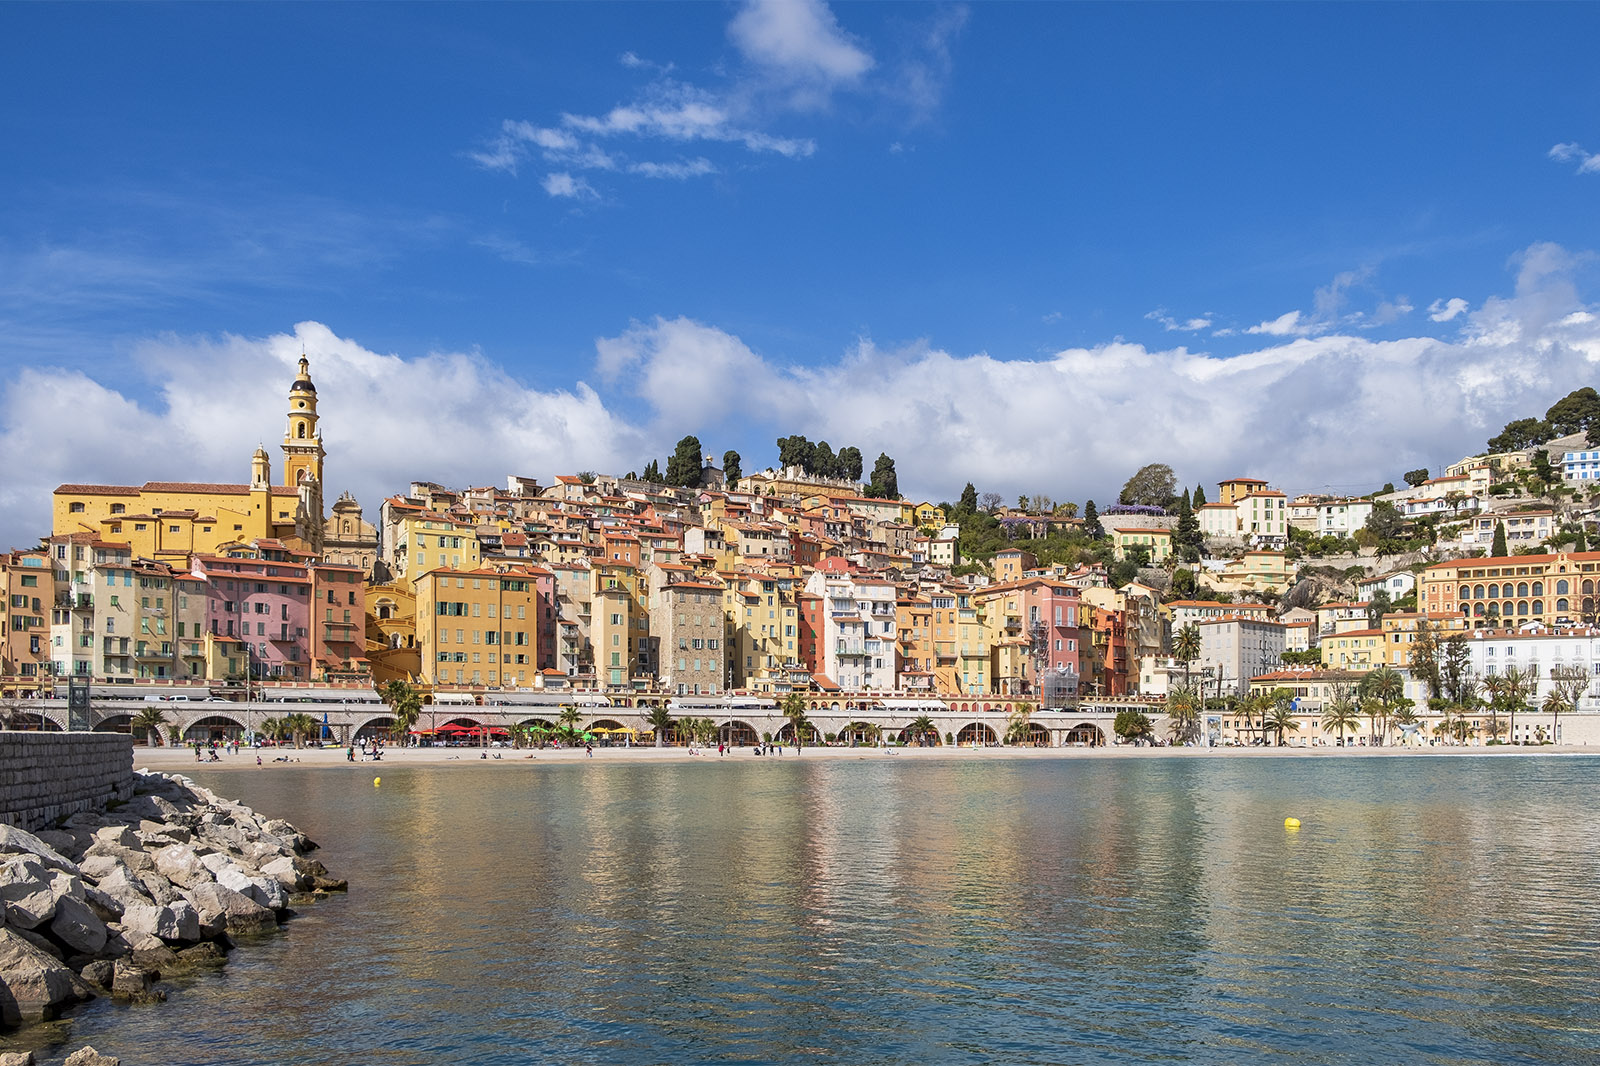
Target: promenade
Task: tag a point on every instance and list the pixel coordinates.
(181, 759)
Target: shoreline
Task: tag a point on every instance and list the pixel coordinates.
(170, 760)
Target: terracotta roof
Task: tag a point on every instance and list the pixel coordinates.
(96, 490)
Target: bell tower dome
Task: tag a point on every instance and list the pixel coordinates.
(302, 440)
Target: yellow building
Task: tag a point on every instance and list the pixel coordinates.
(1157, 542)
(1357, 650)
(478, 627)
(928, 515)
(172, 519)
(973, 639)
(432, 542)
(1508, 591)
(763, 631)
(1235, 489)
(619, 626)
(1400, 632)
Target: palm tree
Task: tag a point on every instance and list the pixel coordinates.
(1386, 686)
(922, 728)
(1186, 648)
(1520, 687)
(794, 709)
(1341, 713)
(272, 728)
(660, 719)
(405, 706)
(569, 716)
(1495, 686)
(1183, 714)
(300, 725)
(151, 719)
(1404, 713)
(1281, 714)
(1017, 723)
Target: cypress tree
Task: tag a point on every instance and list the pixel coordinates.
(1199, 496)
(1091, 521)
(1497, 550)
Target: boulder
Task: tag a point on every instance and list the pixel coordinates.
(134, 858)
(99, 973)
(330, 884)
(236, 912)
(77, 926)
(42, 942)
(178, 920)
(287, 873)
(26, 891)
(185, 920)
(179, 864)
(128, 980)
(107, 908)
(17, 841)
(16, 1058)
(88, 1056)
(34, 986)
(120, 835)
(64, 843)
(124, 888)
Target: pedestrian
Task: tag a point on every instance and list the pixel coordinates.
(351, 754)
(588, 750)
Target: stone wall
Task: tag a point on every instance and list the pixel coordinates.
(46, 776)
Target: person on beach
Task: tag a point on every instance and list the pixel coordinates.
(588, 749)
(350, 755)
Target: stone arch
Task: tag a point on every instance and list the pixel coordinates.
(217, 727)
(934, 738)
(737, 733)
(376, 725)
(859, 732)
(976, 734)
(35, 721)
(785, 735)
(119, 723)
(1035, 736)
(1086, 733)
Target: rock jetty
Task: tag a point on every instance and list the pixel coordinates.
(109, 902)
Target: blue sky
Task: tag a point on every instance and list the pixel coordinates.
(1033, 246)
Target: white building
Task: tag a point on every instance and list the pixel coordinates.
(1236, 649)
(858, 629)
(1399, 584)
(1544, 653)
(1580, 467)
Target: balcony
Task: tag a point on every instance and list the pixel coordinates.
(850, 647)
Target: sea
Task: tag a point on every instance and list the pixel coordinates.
(901, 910)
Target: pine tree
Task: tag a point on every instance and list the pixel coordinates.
(885, 483)
(731, 471)
(1497, 550)
(1091, 522)
(849, 459)
(683, 468)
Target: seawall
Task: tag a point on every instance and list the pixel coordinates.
(46, 776)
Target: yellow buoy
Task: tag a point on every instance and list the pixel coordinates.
(376, 780)
(1291, 823)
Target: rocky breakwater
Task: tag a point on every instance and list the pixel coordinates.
(110, 902)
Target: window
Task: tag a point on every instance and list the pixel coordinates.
(75, 507)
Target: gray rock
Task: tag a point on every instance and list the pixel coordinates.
(129, 980)
(67, 844)
(42, 942)
(287, 873)
(179, 864)
(238, 913)
(26, 891)
(76, 926)
(119, 835)
(126, 889)
(99, 973)
(34, 986)
(178, 920)
(88, 1056)
(107, 908)
(185, 921)
(135, 859)
(160, 889)
(16, 840)
(16, 1058)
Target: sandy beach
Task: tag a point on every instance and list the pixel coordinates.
(169, 759)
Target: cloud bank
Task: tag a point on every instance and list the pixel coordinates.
(1339, 409)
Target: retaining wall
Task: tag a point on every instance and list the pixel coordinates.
(46, 776)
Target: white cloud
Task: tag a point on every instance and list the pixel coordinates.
(1574, 153)
(798, 39)
(796, 59)
(1285, 325)
(562, 184)
(1445, 310)
(1172, 325)
(1291, 411)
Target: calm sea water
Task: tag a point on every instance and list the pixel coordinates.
(882, 910)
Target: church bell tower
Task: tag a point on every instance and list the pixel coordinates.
(302, 441)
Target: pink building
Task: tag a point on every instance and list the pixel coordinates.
(264, 602)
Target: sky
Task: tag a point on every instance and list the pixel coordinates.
(1030, 246)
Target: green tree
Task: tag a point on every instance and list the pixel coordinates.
(1186, 648)
(652, 473)
(850, 463)
(1185, 586)
(885, 484)
(405, 705)
(569, 717)
(1186, 533)
(969, 500)
(1385, 522)
(300, 726)
(1377, 607)
(1521, 434)
(1091, 522)
(794, 709)
(1183, 714)
(1017, 723)
(1543, 472)
(1416, 477)
(1576, 412)
(1571, 682)
(1423, 657)
(660, 719)
(1199, 499)
(151, 719)
(1280, 713)
(587, 477)
(1498, 549)
(823, 462)
(1152, 485)
(1132, 724)
(795, 450)
(731, 470)
(683, 469)
(1520, 687)
(1342, 713)
(1387, 688)
(922, 728)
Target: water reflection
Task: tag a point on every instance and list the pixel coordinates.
(916, 911)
